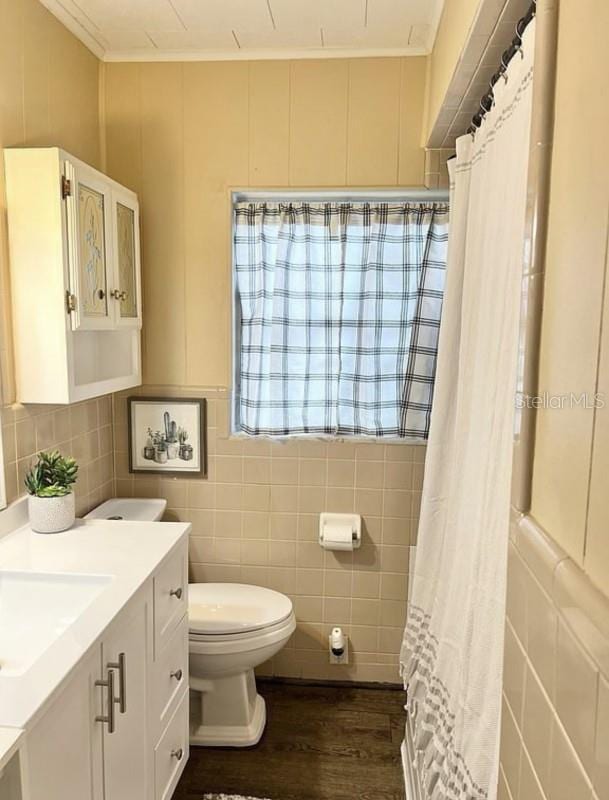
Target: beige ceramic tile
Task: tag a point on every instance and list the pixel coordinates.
(567, 778)
(513, 674)
(537, 722)
(576, 694)
(511, 750)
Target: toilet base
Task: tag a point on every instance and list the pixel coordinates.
(226, 711)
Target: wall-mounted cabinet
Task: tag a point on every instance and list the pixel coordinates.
(75, 278)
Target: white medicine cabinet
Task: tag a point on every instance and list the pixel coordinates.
(75, 277)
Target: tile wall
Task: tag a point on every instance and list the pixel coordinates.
(83, 430)
(255, 520)
(555, 721)
(436, 172)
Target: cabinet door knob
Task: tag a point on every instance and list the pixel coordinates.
(115, 294)
(101, 294)
(109, 718)
(177, 754)
(177, 674)
(176, 593)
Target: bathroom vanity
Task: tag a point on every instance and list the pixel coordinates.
(94, 661)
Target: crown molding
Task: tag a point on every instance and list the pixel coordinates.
(259, 55)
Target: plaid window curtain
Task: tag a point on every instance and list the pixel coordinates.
(339, 310)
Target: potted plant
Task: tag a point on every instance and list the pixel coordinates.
(49, 486)
(186, 451)
(149, 448)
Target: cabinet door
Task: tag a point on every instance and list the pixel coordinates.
(64, 748)
(126, 291)
(89, 247)
(126, 651)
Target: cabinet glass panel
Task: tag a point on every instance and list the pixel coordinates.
(92, 249)
(125, 223)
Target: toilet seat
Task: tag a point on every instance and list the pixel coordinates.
(249, 641)
(226, 611)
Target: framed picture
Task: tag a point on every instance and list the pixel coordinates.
(168, 436)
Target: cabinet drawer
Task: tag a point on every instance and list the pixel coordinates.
(170, 598)
(171, 753)
(171, 674)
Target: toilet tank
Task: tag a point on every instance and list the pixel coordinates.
(130, 508)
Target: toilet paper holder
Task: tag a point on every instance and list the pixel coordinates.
(340, 531)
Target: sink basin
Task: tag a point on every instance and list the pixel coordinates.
(36, 609)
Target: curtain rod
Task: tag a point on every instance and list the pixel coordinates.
(409, 194)
(488, 100)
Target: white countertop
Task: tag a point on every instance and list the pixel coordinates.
(127, 551)
(9, 741)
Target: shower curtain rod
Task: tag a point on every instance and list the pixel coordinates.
(488, 100)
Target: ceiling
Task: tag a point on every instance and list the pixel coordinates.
(148, 30)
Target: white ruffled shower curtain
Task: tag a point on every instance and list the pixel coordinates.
(453, 644)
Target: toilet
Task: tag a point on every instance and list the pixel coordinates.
(233, 628)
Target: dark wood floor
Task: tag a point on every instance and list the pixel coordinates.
(320, 743)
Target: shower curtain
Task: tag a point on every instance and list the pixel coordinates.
(453, 644)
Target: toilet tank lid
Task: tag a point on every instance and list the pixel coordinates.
(234, 607)
(135, 509)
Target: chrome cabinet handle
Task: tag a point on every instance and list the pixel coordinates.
(121, 666)
(177, 674)
(109, 718)
(177, 754)
(176, 593)
(117, 294)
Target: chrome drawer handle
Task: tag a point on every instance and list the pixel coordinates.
(177, 674)
(109, 718)
(177, 754)
(121, 666)
(177, 593)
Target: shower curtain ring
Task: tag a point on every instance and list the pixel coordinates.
(503, 68)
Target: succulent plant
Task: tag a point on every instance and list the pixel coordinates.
(52, 475)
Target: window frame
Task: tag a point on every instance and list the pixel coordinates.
(410, 194)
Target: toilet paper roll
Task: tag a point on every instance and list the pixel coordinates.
(337, 537)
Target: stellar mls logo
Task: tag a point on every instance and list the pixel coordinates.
(560, 401)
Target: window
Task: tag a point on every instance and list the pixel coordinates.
(337, 316)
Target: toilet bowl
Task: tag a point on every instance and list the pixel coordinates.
(232, 629)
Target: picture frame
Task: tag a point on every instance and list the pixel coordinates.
(167, 436)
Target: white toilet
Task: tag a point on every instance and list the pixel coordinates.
(232, 629)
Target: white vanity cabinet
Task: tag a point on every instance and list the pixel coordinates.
(118, 728)
(75, 277)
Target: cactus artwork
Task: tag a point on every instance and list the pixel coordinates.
(167, 436)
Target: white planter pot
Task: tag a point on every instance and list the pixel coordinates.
(51, 514)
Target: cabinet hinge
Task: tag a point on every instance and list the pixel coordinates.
(70, 302)
(66, 187)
